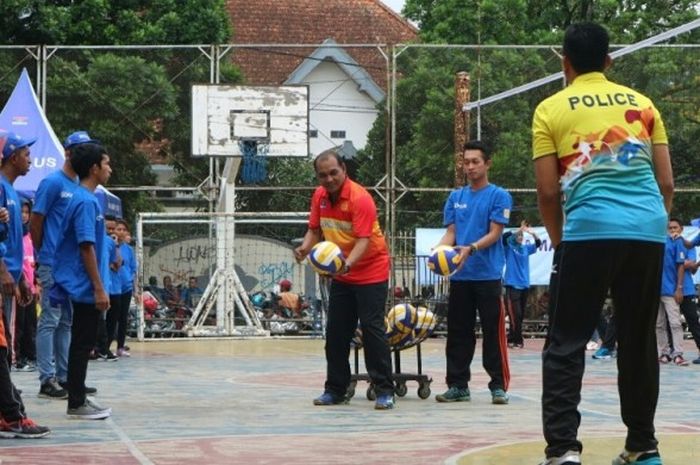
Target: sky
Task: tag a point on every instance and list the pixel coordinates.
(395, 5)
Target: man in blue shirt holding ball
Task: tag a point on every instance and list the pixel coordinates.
(475, 216)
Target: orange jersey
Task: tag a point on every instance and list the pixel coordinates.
(353, 216)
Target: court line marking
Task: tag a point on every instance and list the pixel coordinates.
(130, 445)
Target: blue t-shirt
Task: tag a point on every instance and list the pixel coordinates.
(674, 254)
(115, 282)
(688, 284)
(472, 213)
(83, 222)
(52, 198)
(517, 273)
(128, 268)
(14, 245)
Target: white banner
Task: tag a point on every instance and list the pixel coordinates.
(540, 261)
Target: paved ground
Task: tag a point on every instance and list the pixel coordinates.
(249, 402)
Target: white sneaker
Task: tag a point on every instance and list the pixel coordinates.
(571, 457)
(90, 410)
(592, 345)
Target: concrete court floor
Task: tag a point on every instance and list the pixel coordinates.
(216, 402)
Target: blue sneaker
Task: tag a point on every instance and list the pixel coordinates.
(696, 361)
(650, 457)
(454, 394)
(603, 354)
(499, 397)
(384, 402)
(328, 398)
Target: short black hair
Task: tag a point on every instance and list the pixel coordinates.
(123, 223)
(677, 220)
(85, 156)
(586, 46)
(330, 153)
(478, 145)
(110, 218)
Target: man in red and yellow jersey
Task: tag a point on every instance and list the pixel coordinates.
(344, 213)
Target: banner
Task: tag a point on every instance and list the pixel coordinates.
(540, 261)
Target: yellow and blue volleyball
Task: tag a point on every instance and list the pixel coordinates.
(398, 340)
(326, 258)
(425, 323)
(402, 319)
(443, 260)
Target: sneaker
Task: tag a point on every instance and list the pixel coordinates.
(90, 410)
(650, 457)
(107, 356)
(328, 398)
(680, 361)
(592, 345)
(93, 355)
(123, 353)
(26, 367)
(88, 389)
(127, 348)
(384, 402)
(571, 457)
(511, 345)
(24, 428)
(664, 359)
(696, 361)
(52, 390)
(519, 345)
(499, 397)
(603, 354)
(454, 394)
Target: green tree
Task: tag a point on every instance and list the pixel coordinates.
(425, 91)
(127, 98)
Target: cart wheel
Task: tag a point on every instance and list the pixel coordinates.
(350, 393)
(401, 389)
(371, 395)
(424, 390)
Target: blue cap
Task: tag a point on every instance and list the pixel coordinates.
(77, 138)
(13, 142)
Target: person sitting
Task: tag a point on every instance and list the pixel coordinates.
(192, 293)
(171, 294)
(288, 300)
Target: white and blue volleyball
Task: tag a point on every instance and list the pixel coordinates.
(402, 319)
(444, 260)
(326, 258)
(425, 323)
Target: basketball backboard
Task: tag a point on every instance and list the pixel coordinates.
(274, 116)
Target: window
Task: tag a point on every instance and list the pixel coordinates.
(313, 133)
(337, 134)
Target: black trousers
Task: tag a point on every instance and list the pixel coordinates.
(516, 301)
(86, 318)
(117, 316)
(465, 299)
(25, 333)
(582, 273)
(689, 309)
(347, 304)
(11, 406)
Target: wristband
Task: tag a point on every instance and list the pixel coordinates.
(474, 248)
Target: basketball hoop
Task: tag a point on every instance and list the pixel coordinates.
(254, 160)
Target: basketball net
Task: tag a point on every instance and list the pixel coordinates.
(254, 161)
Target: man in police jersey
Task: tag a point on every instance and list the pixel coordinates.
(610, 145)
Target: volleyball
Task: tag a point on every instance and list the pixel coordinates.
(398, 340)
(402, 319)
(425, 323)
(326, 258)
(443, 260)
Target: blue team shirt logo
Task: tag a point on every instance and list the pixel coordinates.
(460, 205)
